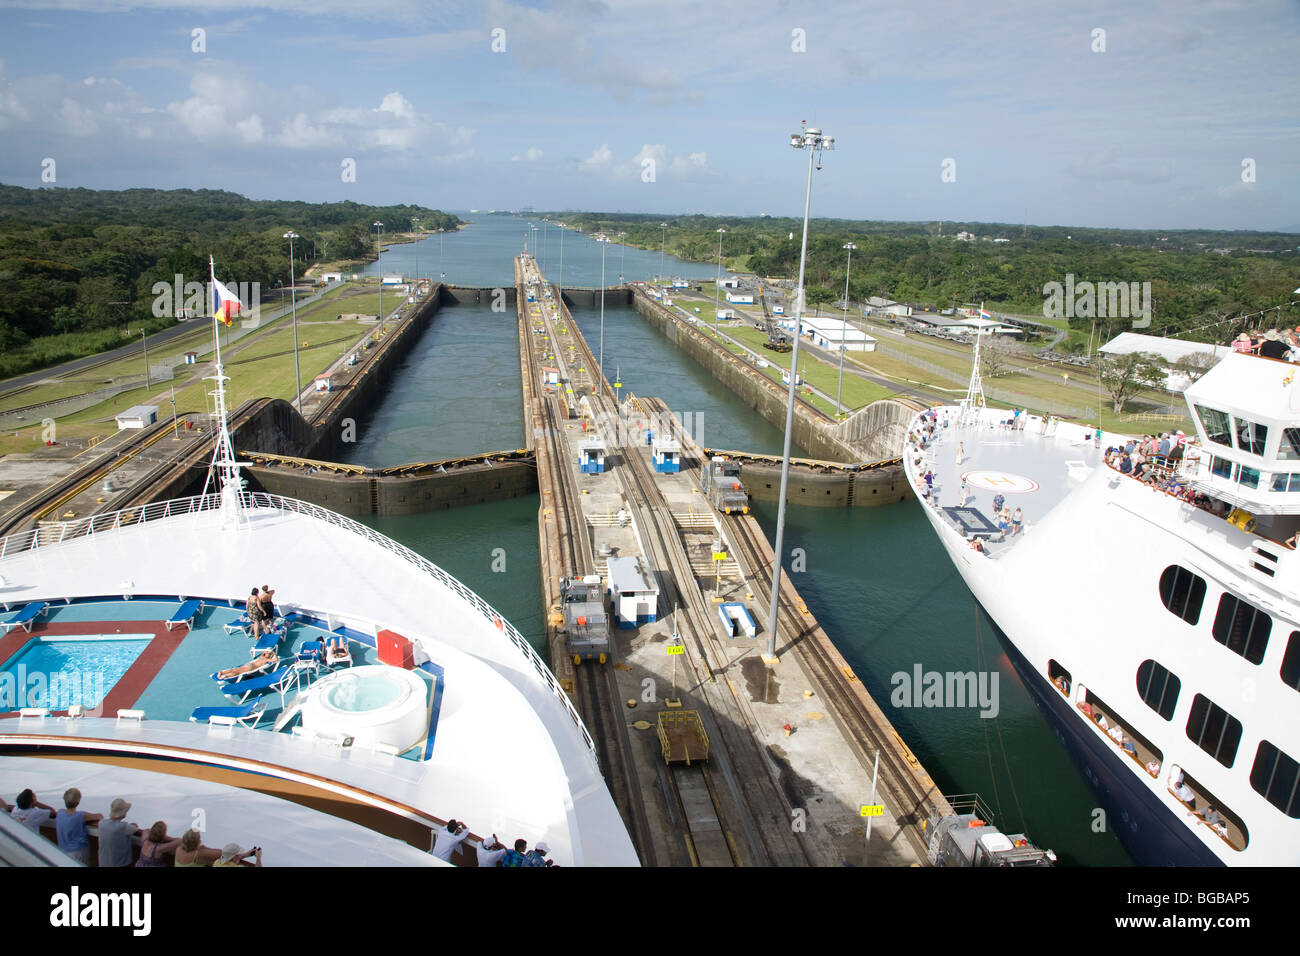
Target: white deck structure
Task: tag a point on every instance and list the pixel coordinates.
(510, 754)
(1096, 618)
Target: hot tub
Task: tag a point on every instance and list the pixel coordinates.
(371, 704)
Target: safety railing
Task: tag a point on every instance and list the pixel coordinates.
(49, 535)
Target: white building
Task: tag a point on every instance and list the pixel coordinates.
(833, 334)
(1171, 350)
(331, 277)
(729, 282)
(740, 298)
(137, 416)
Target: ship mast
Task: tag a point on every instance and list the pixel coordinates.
(224, 469)
(974, 399)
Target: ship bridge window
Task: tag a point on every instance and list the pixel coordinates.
(1242, 628)
(1214, 730)
(1251, 436)
(1286, 482)
(1218, 428)
(1248, 477)
(1221, 467)
(1183, 593)
(1291, 662)
(1276, 777)
(1288, 448)
(1158, 688)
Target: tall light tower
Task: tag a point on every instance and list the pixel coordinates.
(717, 283)
(813, 141)
(416, 247)
(379, 257)
(844, 332)
(442, 274)
(663, 241)
(293, 299)
(604, 241)
(560, 283)
(622, 255)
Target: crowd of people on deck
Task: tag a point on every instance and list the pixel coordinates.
(493, 852)
(1163, 462)
(1284, 345)
(117, 836)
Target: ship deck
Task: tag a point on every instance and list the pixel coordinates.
(994, 455)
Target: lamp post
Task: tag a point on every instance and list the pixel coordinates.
(813, 141)
(839, 388)
(560, 283)
(442, 274)
(144, 339)
(622, 255)
(604, 241)
(293, 299)
(663, 241)
(717, 283)
(379, 252)
(416, 248)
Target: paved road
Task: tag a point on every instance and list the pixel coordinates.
(126, 351)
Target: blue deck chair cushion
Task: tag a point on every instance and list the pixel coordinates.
(184, 614)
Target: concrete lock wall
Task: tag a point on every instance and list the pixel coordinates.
(839, 489)
(398, 494)
(749, 385)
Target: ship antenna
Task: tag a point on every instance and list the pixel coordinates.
(224, 469)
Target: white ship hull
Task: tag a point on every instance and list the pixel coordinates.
(1078, 593)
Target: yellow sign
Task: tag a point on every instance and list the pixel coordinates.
(672, 650)
(878, 810)
(719, 556)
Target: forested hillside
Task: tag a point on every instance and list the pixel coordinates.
(1199, 279)
(78, 265)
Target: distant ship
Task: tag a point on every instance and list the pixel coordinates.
(1157, 623)
(392, 700)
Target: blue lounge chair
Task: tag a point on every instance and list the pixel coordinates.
(278, 680)
(246, 716)
(185, 614)
(337, 651)
(269, 641)
(25, 617)
(247, 675)
(240, 625)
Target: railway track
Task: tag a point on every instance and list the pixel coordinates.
(692, 792)
(691, 796)
(841, 688)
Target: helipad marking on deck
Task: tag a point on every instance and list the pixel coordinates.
(1004, 481)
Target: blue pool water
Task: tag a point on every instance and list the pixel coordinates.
(59, 673)
(364, 693)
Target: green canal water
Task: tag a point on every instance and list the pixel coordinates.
(876, 578)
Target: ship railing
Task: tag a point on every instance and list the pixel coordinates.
(972, 803)
(50, 534)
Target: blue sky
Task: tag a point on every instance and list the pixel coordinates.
(1043, 125)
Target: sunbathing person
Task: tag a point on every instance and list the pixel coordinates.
(336, 650)
(252, 667)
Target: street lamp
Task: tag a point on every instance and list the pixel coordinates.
(717, 283)
(844, 331)
(560, 284)
(813, 141)
(379, 251)
(442, 275)
(293, 299)
(604, 241)
(622, 255)
(144, 338)
(663, 240)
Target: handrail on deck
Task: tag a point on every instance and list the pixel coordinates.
(50, 534)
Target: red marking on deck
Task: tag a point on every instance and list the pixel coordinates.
(138, 676)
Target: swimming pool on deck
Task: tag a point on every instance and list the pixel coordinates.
(120, 654)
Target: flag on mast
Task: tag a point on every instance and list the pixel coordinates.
(225, 304)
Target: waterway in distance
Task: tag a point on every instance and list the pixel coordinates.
(876, 578)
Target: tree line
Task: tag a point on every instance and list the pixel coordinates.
(1202, 282)
(78, 265)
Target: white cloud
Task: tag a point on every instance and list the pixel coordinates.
(601, 158)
